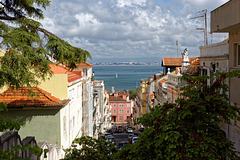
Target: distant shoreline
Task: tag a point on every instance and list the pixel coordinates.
(123, 65)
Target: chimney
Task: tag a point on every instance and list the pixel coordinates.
(124, 97)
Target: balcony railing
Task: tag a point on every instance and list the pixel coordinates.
(175, 79)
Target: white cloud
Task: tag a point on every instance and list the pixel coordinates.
(122, 3)
(129, 28)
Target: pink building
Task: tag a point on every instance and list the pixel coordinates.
(121, 107)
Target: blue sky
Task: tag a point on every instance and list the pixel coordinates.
(130, 28)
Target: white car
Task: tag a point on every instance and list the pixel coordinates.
(129, 130)
(134, 139)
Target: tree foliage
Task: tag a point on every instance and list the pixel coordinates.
(134, 93)
(189, 129)
(88, 148)
(29, 46)
(29, 49)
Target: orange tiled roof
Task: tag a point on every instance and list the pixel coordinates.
(19, 98)
(151, 95)
(72, 75)
(175, 61)
(163, 81)
(112, 98)
(119, 97)
(151, 77)
(83, 64)
(196, 62)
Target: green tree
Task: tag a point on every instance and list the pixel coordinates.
(188, 129)
(29, 46)
(134, 93)
(97, 149)
(28, 50)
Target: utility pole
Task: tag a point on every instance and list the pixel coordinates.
(177, 47)
(204, 15)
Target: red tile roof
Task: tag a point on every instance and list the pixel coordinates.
(175, 61)
(119, 96)
(196, 62)
(83, 64)
(72, 75)
(151, 95)
(163, 81)
(20, 98)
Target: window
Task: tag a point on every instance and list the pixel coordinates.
(120, 111)
(120, 105)
(128, 111)
(64, 124)
(70, 124)
(211, 75)
(79, 91)
(204, 72)
(128, 105)
(84, 71)
(73, 122)
(114, 111)
(121, 117)
(114, 105)
(71, 94)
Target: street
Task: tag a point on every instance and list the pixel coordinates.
(120, 137)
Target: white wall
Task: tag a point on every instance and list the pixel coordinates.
(217, 49)
(73, 114)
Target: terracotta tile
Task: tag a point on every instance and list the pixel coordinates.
(72, 75)
(21, 97)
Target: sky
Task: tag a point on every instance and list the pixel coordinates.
(128, 30)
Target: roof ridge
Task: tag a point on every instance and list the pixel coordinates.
(42, 91)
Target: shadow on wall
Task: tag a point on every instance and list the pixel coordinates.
(27, 115)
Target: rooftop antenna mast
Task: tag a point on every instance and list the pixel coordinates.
(204, 15)
(177, 47)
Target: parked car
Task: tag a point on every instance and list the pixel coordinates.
(121, 144)
(110, 139)
(111, 130)
(114, 129)
(120, 129)
(129, 130)
(134, 139)
(107, 134)
(104, 136)
(130, 137)
(135, 133)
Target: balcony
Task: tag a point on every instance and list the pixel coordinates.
(98, 83)
(215, 50)
(174, 79)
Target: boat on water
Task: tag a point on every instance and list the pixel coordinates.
(116, 75)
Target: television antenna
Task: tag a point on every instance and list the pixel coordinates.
(177, 47)
(203, 15)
